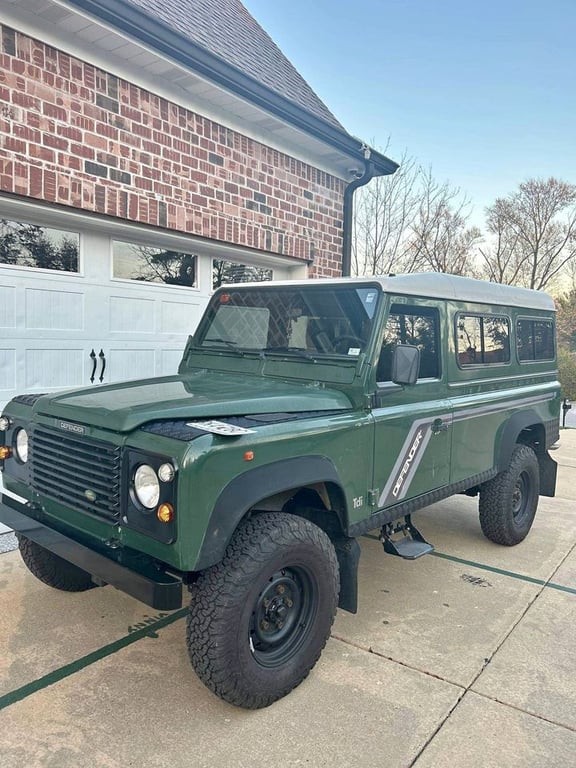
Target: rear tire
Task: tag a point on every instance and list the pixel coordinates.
(51, 569)
(259, 620)
(508, 502)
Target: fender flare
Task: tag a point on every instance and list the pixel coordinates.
(248, 489)
(509, 437)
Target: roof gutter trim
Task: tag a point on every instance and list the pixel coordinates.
(154, 33)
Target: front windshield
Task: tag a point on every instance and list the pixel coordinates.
(306, 320)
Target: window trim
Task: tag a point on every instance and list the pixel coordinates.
(482, 365)
(536, 319)
(421, 309)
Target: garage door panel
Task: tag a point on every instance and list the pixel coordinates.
(54, 368)
(179, 317)
(7, 306)
(131, 315)
(169, 360)
(54, 310)
(128, 364)
(7, 369)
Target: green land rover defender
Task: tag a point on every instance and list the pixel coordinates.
(303, 414)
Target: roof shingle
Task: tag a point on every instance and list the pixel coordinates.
(227, 30)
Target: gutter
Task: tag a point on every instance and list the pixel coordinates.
(370, 171)
(157, 35)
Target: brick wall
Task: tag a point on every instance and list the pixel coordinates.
(75, 135)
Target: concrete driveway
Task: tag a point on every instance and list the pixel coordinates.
(463, 658)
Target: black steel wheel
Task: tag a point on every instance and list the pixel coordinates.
(508, 503)
(259, 620)
(51, 569)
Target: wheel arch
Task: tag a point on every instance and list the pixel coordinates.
(522, 427)
(527, 428)
(272, 487)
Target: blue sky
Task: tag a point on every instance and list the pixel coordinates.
(482, 91)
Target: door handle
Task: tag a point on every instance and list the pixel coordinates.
(102, 357)
(439, 426)
(94, 363)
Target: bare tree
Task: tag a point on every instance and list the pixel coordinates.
(440, 239)
(533, 234)
(384, 211)
(409, 222)
(566, 320)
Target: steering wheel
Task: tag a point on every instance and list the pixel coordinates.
(349, 341)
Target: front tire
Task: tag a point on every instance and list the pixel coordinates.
(51, 569)
(508, 502)
(259, 620)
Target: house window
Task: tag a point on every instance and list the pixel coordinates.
(417, 326)
(482, 340)
(535, 340)
(37, 247)
(153, 265)
(225, 272)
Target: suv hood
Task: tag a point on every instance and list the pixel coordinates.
(204, 394)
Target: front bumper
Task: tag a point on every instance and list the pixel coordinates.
(128, 572)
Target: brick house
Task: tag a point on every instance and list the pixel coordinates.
(147, 151)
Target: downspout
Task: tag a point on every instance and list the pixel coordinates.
(348, 211)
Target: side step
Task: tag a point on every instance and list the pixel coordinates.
(410, 545)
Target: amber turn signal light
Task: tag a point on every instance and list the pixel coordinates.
(165, 513)
(5, 452)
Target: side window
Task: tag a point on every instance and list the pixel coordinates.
(482, 340)
(418, 326)
(535, 340)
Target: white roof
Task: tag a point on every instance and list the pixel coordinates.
(441, 286)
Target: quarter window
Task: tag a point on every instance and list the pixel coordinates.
(417, 326)
(153, 265)
(34, 246)
(482, 340)
(535, 340)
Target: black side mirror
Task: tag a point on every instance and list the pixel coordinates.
(405, 364)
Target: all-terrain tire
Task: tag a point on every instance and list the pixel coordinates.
(51, 569)
(258, 620)
(508, 502)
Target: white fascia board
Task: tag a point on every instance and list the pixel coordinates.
(300, 145)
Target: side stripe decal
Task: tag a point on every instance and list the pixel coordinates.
(417, 440)
(409, 459)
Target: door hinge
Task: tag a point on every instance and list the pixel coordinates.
(373, 496)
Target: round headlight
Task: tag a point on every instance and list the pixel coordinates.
(146, 486)
(22, 445)
(4, 423)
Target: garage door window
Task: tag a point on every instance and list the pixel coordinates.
(30, 245)
(226, 272)
(153, 265)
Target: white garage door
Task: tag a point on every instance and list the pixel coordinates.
(87, 326)
(85, 302)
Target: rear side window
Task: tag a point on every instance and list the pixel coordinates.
(482, 340)
(535, 340)
(411, 325)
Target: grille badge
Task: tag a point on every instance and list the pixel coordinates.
(90, 495)
(76, 429)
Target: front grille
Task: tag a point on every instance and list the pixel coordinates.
(79, 472)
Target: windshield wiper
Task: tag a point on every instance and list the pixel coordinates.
(229, 343)
(291, 350)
